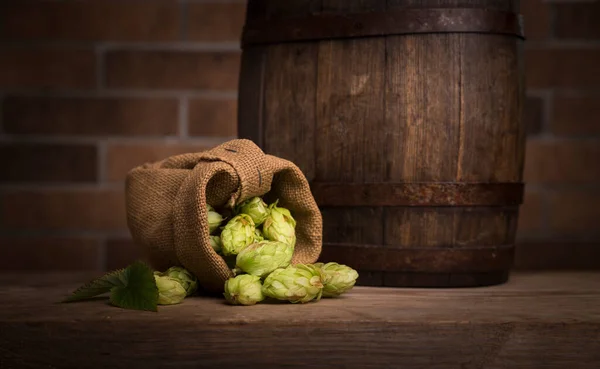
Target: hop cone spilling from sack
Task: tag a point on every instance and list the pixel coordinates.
(263, 238)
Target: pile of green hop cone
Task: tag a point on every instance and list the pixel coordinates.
(256, 241)
(258, 244)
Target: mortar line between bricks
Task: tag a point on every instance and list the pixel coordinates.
(183, 120)
(132, 140)
(566, 186)
(564, 139)
(61, 187)
(557, 237)
(562, 44)
(183, 46)
(537, 92)
(66, 233)
(124, 93)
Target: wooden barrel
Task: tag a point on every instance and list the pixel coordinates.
(405, 116)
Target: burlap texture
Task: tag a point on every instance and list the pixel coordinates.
(166, 205)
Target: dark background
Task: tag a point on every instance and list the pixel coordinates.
(90, 89)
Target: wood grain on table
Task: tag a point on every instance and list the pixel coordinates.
(539, 320)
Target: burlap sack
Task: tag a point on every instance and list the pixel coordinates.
(166, 205)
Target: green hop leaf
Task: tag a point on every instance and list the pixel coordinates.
(130, 288)
(237, 234)
(244, 289)
(256, 208)
(280, 225)
(262, 258)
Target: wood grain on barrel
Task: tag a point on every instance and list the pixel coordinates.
(290, 127)
(541, 320)
(251, 95)
(399, 109)
(423, 106)
(490, 122)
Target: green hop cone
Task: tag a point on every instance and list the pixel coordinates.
(256, 208)
(214, 219)
(184, 277)
(300, 283)
(237, 234)
(263, 257)
(170, 291)
(215, 243)
(337, 278)
(258, 235)
(280, 225)
(244, 289)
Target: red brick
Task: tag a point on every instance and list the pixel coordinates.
(98, 210)
(567, 68)
(536, 17)
(575, 212)
(213, 118)
(578, 20)
(215, 22)
(173, 70)
(533, 115)
(90, 116)
(554, 255)
(91, 20)
(122, 252)
(555, 161)
(45, 68)
(121, 158)
(48, 254)
(576, 115)
(531, 213)
(47, 162)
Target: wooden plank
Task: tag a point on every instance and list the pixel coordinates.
(548, 320)
(542, 297)
(251, 95)
(407, 227)
(350, 118)
(484, 226)
(422, 107)
(290, 94)
(351, 126)
(358, 226)
(491, 147)
(450, 226)
(354, 225)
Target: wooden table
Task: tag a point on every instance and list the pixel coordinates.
(540, 320)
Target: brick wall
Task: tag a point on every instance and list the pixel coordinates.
(89, 89)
